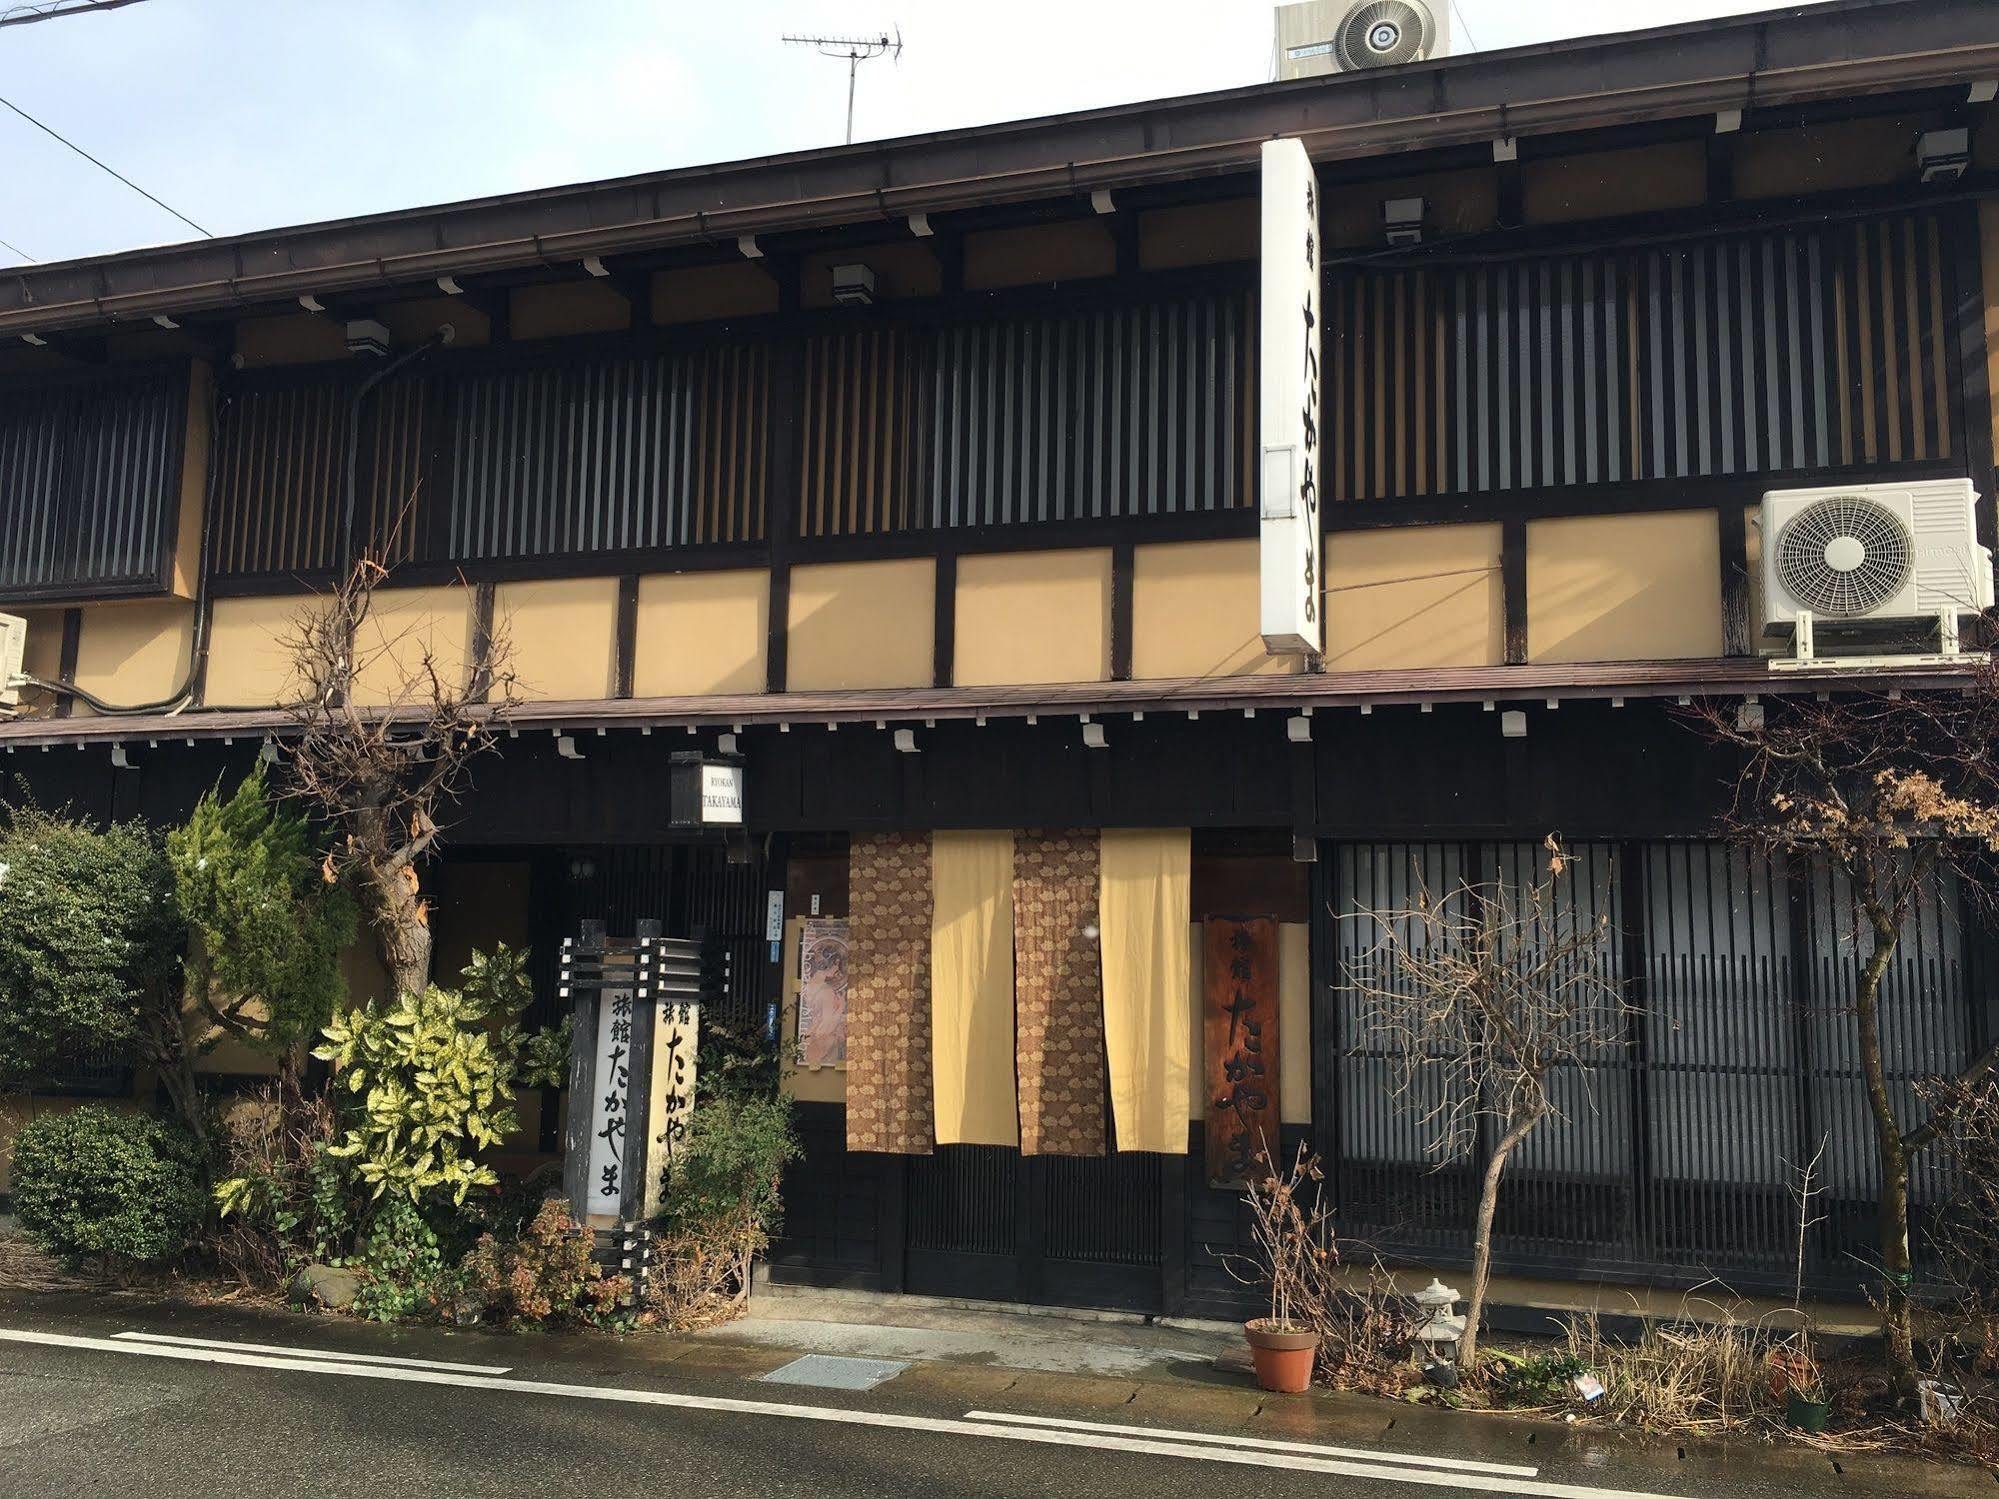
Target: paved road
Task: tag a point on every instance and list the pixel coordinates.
(109, 1399)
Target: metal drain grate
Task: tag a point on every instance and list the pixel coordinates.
(828, 1372)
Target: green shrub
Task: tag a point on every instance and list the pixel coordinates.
(424, 1083)
(90, 940)
(728, 1167)
(402, 1266)
(269, 930)
(94, 1183)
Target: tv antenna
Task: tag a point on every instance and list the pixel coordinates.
(855, 50)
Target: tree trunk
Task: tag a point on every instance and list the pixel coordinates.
(1897, 1332)
(172, 1058)
(402, 928)
(1481, 1264)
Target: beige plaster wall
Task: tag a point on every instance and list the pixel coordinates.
(1414, 596)
(701, 632)
(405, 625)
(703, 292)
(1033, 253)
(248, 664)
(130, 654)
(1195, 611)
(581, 306)
(1624, 588)
(862, 624)
(562, 636)
(1033, 617)
(1604, 184)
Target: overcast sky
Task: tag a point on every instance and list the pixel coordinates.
(246, 114)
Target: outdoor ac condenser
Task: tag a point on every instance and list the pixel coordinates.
(13, 653)
(1871, 555)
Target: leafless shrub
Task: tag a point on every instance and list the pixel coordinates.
(386, 736)
(1363, 1325)
(1481, 993)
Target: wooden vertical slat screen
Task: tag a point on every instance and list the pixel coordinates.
(89, 479)
(866, 418)
(1775, 351)
(1677, 1152)
(548, 458)
(610, 454)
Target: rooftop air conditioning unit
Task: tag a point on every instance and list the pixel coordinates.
(13, 655)
(1318, 37)
(1871, 562)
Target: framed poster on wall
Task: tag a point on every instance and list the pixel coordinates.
(822, 994)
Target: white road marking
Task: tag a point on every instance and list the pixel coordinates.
(1261, 1444)
(330, 1355)
(834, 1415)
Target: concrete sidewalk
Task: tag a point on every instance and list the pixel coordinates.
(1164, 1372)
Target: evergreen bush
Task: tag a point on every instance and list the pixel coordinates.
(95, 1183)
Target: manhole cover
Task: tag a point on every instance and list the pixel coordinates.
(831, 1373)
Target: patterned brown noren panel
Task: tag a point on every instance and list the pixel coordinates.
(889, 1097)
(1058, 994)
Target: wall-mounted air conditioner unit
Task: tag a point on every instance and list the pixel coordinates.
(13, 653)
(1316, 37)
(1872, 562)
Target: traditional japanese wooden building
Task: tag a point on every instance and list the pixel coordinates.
(915, 485)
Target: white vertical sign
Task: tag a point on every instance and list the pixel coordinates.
(675, 1044)
(611, 1105)
(1288, 413)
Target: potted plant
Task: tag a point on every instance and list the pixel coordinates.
(1796, 1379)
(1284, 1346)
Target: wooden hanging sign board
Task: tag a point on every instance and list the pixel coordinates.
(1239, 1034)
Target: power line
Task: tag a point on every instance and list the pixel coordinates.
(1465, 24)
(112, 170)
(18, 251)
(55, 10)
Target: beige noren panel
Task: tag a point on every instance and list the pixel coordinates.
(249, 665)
(1066, 251)
(296, 338)
(129, 654)
(1604, 184)
(1198, 234)
(1033, 617)
(701, 632)
(862, 624)
(1194, 608)
(1624, 587)
(405, 625)
(562, 636)
(1824, 157)
(702, 293)
(1294, 1024)
(582, 306)
(1414, 596)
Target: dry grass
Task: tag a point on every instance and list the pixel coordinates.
(23, 1267)
(1692, 1377)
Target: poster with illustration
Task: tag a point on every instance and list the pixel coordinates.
(822, 995)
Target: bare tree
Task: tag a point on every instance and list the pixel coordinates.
(1887, 792)
(380, 767)
(1481, 994)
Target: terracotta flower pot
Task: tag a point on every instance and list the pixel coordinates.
(1283, 1358)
